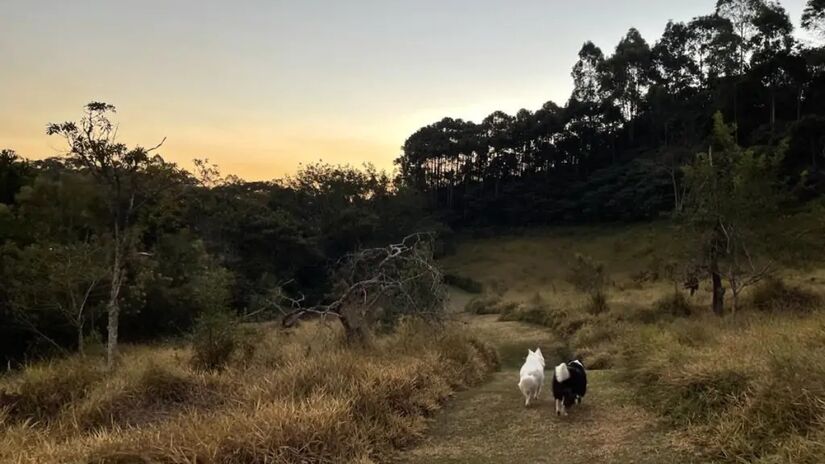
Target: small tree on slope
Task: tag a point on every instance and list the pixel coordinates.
(732, 192)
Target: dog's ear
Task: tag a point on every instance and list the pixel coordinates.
(529, 352)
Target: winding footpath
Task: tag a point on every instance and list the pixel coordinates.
(490, 424)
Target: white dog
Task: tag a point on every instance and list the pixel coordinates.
(531, 377)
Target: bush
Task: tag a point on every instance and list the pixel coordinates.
(589, 276)
(464, 283)
(214, 340)
(775, 295)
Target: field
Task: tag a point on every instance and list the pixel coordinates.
(669, 381)
(747, 387)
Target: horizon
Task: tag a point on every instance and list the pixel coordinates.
(260, 89)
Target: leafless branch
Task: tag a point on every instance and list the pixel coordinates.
(401, 277)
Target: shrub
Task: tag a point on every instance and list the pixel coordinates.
(775, 295)
(589, 276)
(214, 339)
(464, 283)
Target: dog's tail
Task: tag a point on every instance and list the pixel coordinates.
(562, 373)
(527, 384)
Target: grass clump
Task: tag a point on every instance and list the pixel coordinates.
(774, 295)
(489, 304)
(41, 391)
(747, 389)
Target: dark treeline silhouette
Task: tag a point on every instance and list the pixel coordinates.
(614, 151)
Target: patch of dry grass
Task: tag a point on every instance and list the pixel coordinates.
(750, 388)
(301, 396)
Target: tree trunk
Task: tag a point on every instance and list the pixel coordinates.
(81, 347)
(718, 304)
(354, 320)
(113, 309)
(736, 110)
(773, 111)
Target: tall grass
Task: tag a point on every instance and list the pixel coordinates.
(302, 396)
(750, 389)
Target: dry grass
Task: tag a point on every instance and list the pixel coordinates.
(302, 396)
(749, 387)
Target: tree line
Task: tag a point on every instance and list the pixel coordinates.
(615, 150)
(113, 242)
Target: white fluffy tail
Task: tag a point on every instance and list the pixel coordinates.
(529, 387)
(562, 373)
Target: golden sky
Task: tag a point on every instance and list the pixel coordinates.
(259, 87)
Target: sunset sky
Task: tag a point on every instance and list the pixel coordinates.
(261, 86)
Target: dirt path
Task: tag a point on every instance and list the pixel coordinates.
(490, 424)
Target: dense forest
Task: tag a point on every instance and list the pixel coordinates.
(614, 150)
(112, 241)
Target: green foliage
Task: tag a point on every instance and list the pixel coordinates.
(214, 339)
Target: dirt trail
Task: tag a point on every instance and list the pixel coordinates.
(490, 424)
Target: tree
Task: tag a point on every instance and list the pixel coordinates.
(714, 48)
(379, 283)
(14, 174)
(813, 17)
(628, 76)
(773, 59)
(128, 179)
(51, 279)
(741, 14)
(731, 191)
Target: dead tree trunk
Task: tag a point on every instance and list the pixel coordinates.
(353, 319)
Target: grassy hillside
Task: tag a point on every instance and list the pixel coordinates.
(747, 387)
(289, 397)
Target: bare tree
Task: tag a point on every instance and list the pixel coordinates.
(741, 270)
(387, 282)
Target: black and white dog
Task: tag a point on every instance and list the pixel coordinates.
(569, 385)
